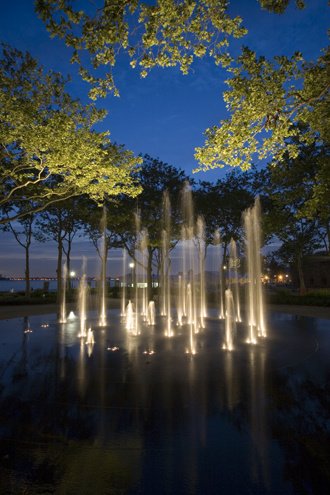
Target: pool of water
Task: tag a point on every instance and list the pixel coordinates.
(138, 415)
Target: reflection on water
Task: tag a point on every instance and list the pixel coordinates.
(136, 414)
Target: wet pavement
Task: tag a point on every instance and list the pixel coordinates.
(138, 415)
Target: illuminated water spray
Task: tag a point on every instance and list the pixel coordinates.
(201, 247)
(234, 264)
(166, 266)
(151, 317)
(256, 318)
(218, 268)
(82, 301)
(230, 319)
(129, 317)
(104, 253)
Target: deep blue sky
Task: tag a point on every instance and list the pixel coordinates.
(165, 114)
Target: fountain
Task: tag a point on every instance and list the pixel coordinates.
(71, 316)
(120, 394)
(90, 337)
(189, 292)
(82, 303)
(201, 246)
(234, 264)
(103, 277)
(256, 317)
(219, 268)
(166, 266)
(151, 315)
(230, 319)
(129, 317)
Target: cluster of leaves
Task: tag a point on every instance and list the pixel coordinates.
(280, 6)
(168, 33)
(265, 99)
(49, 150)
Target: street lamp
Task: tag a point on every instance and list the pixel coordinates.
(72, 275)
(132, 265)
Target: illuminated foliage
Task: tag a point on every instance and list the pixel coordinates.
(169, 33)
(265, 99)
(49, 150)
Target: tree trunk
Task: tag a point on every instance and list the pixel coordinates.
(68, 267)
(302, 287)
(27, 271)
(59, 267)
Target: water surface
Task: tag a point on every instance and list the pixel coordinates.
(100, 420)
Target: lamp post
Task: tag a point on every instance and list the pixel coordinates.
(72, 275)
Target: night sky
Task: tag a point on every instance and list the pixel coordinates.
(163, 115)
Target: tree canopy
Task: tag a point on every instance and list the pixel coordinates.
(49, 150)
(265, 101)
(265, 97)
(167, 33)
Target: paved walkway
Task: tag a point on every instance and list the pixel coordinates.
(7, 312)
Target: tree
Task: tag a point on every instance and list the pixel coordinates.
(59, 224)
(222, 205)
(47, 140)
(167, 34)
(156, 178)
(265, 100)
(22, 230)
(290, 185)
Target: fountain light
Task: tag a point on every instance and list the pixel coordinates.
(44, 325)
(149, 352)
(132, 265)
(90, 337)
(113, 349)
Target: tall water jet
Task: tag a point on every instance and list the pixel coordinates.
(230, 319)
(181, 299)
(234, 264)
(192, 346)
(129, 317)
(166, 266)
(151, 317)
(90, 337)
(63, 318)
(104, 253)
(143, 272)
(219, 269)
(256, 309)
(137, 266)
(201, 244)
(182, 281)
(123, 288)
(189, 258)
(82, 302)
